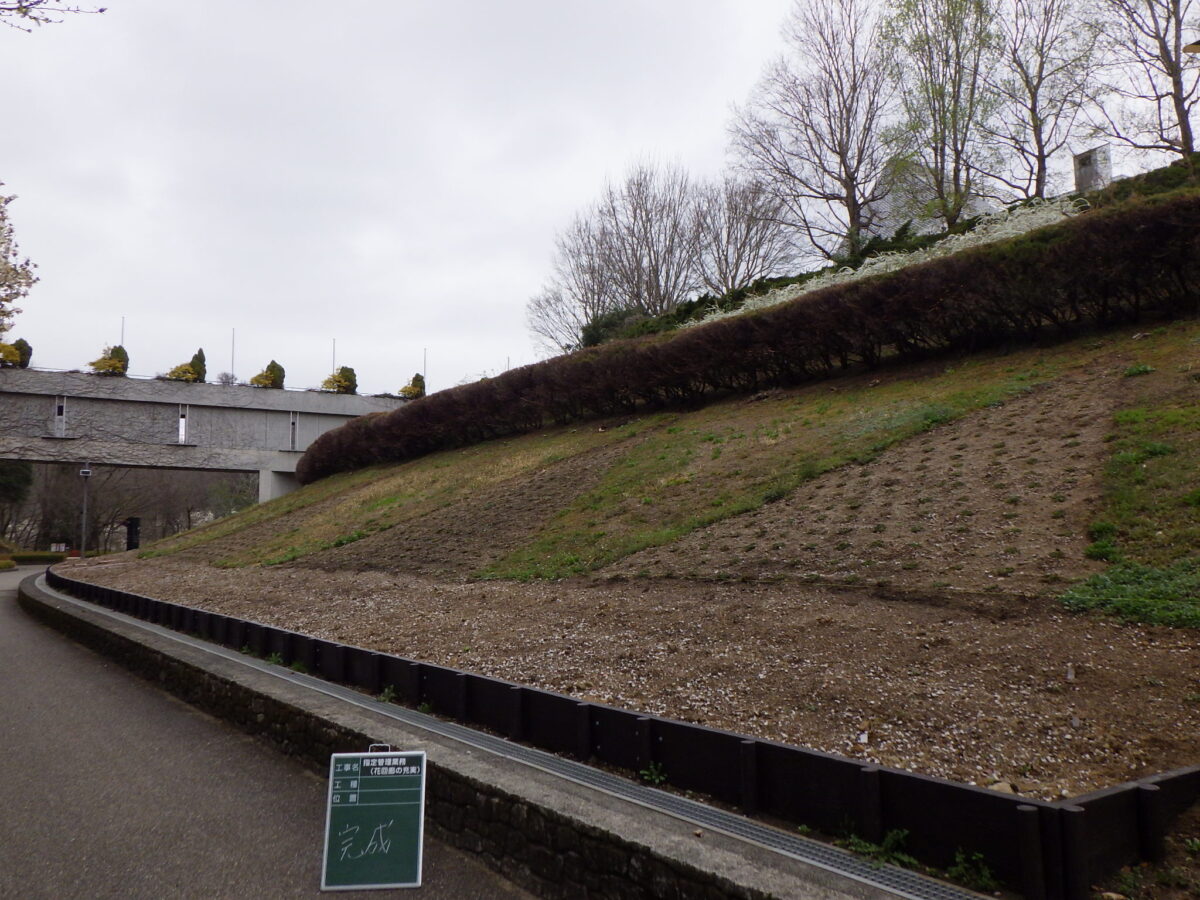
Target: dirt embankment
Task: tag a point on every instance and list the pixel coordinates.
(897, 611)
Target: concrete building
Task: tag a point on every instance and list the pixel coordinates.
(78, 417)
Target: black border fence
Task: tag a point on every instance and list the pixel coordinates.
(1046, 850)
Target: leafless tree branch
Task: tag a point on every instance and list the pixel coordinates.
(1150, 80)
(813, 131)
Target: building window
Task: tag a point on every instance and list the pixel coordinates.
(60, 416)
(292, 427)
(183, 423)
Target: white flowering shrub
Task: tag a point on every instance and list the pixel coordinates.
(991, 227)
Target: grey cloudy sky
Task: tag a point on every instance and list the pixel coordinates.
(389, 173)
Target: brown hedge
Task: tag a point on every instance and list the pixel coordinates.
(1105, 268)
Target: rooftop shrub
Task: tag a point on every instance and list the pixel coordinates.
(182, 372)
(343, 381)
(270, 377)
(113, 361)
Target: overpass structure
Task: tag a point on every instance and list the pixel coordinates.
(118, 421)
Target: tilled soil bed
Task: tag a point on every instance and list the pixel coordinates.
(977, 688)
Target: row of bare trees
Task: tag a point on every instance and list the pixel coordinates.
(923, 107)
(40, 503)
(880, 112)
(653, 240)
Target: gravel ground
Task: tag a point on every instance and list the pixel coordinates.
(985, 691)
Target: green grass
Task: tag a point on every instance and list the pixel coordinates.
(1148, 528)
(1138, 593)
(1138, 369)
(1149, 481)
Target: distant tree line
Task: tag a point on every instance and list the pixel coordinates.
(880, 112)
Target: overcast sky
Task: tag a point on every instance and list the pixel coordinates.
(386, 173)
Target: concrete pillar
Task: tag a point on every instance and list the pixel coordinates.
(1093, 169)
(273, 484)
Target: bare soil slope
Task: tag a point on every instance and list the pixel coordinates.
(462, 537)
(996, 501)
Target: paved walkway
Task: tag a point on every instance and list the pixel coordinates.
(112, 788)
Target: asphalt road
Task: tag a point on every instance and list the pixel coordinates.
(112, 788)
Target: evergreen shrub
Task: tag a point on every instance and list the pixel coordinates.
(270, 377)
(113, 361)
(29, 557)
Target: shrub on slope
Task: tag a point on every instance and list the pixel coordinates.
(1102, 269)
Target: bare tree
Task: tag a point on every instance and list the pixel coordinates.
(1152, 81)
(739, 235)
(646, 224)
(555, 320)
(1049, 56)
(579, 290)
(942, 52)
(634, 250)
(167, 501)
(813, 132)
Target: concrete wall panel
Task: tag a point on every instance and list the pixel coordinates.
(136, 422)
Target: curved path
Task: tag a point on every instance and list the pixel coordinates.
(111, 788)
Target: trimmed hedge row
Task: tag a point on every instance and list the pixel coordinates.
(1102, 269)
(29, 557)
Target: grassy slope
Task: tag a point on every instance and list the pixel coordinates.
(1149, 526)
(668, 474)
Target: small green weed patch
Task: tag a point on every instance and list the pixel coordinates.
(1150, 512)
(888, 852)
(1140, 593)
(971, 870)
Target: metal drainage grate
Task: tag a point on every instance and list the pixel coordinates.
(899, 882)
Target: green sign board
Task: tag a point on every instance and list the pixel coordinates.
(374, 823)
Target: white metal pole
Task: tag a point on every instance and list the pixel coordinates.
(85, 473)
